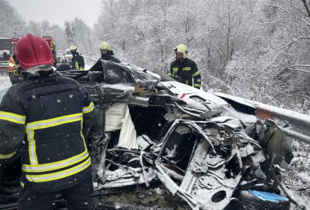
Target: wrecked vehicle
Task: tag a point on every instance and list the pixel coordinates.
(210, 152)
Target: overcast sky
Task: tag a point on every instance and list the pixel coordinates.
(58, 11)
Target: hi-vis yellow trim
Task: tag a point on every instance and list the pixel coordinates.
(15, 118)
(89, 108)
(81, 68)
(55, 165)
(54, 122)
(60, 174)
(174, 69)
(186, 82)
(197, 73)
(170, 74)
(197, 85)
(186, 68)
(31, 127)
(22, 184)
(32, 147)
(77, 65)
(4, 157)
(81, 133)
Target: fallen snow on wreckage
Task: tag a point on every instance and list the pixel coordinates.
(203, 149)
(210, 152)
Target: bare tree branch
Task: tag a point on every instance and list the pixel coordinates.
(287, 11)
(306, 6)
(293, 69)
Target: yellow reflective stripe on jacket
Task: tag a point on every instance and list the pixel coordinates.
(77, 65)
(89, 108)
(186, 68)
(54, 122)
(3, 157)
(15, 118)
(81, 68)
(170, 74)
(30, 127)
(82, 135)
(60, 174)
(197, 73)
(174, 69)
(197, 85)
(32, 147)
(186, 82)
(55, 165)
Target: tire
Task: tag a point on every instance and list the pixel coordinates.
(14, 79)
(252, 202)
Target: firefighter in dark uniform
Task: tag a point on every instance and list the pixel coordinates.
(77, 61)
(107, 53)
(48, 111)
(184, 69)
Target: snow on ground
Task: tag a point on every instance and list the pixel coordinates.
(88, 66)
(301, 199)
(5, 81)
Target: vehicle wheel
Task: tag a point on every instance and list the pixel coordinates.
(252, 202)
(14, 79)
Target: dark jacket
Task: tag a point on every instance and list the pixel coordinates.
(185, 72)
(77, 62)
(109, 57)
(51, 110)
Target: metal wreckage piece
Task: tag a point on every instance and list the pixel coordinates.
(200, 147)
(204, 157)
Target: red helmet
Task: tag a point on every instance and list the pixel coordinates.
(32, 51)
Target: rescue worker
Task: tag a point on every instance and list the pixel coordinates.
(49, 110)
(77, 61)
(14, 70)
(184, 69)
(107, 53)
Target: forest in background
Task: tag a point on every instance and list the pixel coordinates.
(254, 49)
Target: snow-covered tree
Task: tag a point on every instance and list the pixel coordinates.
(79, 34)
(276, 70)
(11, 22)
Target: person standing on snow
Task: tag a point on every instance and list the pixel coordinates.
(50, 110)
(107, 53)
(183, 69)
(77, 61)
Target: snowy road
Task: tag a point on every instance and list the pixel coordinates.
(5, 81)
